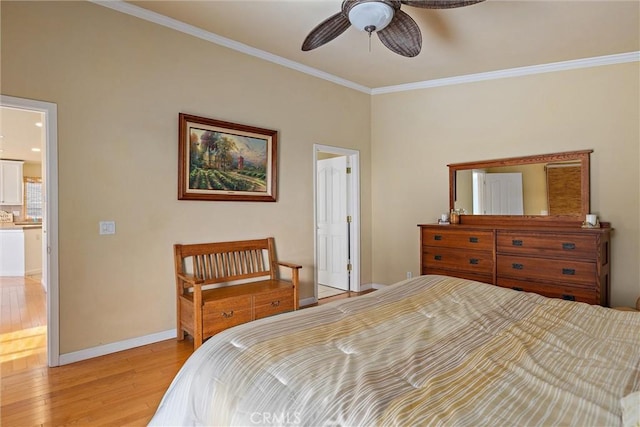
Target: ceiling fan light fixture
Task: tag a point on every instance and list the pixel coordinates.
(371, 16)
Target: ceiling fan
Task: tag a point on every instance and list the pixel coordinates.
(396, 29)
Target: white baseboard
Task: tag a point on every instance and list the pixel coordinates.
(115, 347)
(378, 286)
(102, 350)
(307, 301)
(368, 286)
(13, 273)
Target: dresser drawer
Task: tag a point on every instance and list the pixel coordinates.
(221, 314)
(568, 245)
(478, 262)
(270, 303)
(462, 239)
(556, 270)
(478, 277)
(566, 292)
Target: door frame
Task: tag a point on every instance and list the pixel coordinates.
(50, 220)
(353, 209)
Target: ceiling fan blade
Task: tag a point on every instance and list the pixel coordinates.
(439, 4)
(402, 36)
(326, 31)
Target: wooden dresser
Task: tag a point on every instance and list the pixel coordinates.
(558, 262)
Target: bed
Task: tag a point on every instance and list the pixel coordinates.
(433, 350)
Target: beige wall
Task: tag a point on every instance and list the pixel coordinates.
(595, 108)
(119, 83)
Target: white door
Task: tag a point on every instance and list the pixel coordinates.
(503, 194)
(332, 226)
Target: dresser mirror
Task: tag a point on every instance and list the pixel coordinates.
(549, 188)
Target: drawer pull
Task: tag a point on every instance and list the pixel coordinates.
(227, 315)
(275, 303)
(516, 243)
(473, 239)
(437, 237)
(438, 257)
(568, 246)
(568, 297)
(474, 261)
(515, 288)
(517, 266)
(569, 271)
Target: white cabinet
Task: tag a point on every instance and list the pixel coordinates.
(12, 250)
(11, 182)
(32, 250)
(20, 251)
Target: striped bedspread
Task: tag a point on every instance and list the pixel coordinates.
(431, 350)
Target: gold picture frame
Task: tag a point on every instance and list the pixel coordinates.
(224, 161)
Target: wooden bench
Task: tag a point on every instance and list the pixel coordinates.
(220, 285)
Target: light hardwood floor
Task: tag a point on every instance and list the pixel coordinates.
(328, 291)
(119, 389)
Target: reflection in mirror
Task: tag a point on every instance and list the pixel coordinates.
(551, 185)
(534, 189)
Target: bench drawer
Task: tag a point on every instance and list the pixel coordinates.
(218, 315)
(270, 303)
(460, 239)
(564, 245)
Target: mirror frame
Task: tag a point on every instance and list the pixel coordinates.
(559, 220)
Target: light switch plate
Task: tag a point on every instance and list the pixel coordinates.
(107, 227)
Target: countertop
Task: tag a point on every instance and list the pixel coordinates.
(19, 225)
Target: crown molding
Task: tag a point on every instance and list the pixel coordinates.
(165, 21)
(514, 72)
(147, 15)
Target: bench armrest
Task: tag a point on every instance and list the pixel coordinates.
(295, 279)
(288, 264)
(190, 279)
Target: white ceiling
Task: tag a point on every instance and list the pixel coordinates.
(488, 36)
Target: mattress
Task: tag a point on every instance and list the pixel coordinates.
(431, 350)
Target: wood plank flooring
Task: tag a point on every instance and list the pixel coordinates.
(119, 389)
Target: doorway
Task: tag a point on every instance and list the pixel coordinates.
(336, 220)
(49, 215)
(497, 193)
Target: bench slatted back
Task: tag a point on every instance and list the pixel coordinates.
(227, 261)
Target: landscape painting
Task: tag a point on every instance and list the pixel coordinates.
(225, 161)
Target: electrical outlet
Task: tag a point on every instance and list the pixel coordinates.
(107, 227)
(409, 275)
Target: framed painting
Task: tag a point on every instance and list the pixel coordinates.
(220, 160)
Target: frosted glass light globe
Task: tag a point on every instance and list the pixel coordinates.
(371, 16)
